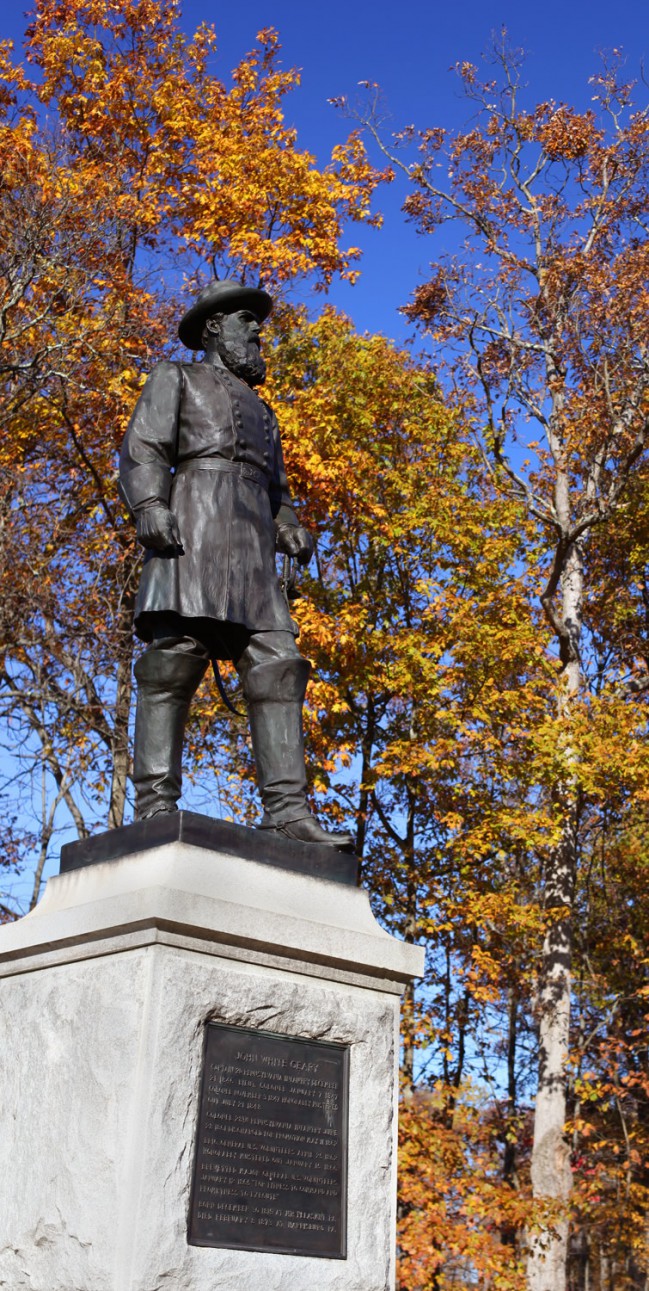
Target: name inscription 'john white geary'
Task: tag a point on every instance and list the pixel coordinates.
(271, 1151)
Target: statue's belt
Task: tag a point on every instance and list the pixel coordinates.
(243, 469)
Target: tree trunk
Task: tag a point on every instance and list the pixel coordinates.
(551, 1172)
(409, 1029)
(124, 690)
(509, 1234)
(367, 746)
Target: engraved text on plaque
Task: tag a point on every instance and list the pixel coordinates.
(271, 1151)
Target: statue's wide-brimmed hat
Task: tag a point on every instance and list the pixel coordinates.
(221, 298)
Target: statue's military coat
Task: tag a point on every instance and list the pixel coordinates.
(202, 441)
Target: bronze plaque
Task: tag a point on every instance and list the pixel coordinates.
(271, 1152)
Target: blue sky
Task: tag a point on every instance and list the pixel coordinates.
(409, 51)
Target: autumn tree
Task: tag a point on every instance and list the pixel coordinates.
(609, 1103)
(543, 316)
(429, 684)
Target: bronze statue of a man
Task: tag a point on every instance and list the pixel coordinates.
(202, 471)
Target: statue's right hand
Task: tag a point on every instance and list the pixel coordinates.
(157, 528)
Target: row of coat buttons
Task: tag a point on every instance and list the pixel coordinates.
(240, 442)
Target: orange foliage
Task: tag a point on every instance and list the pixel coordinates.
(432, 718)
(541, 319)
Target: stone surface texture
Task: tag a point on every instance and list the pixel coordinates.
(106, 988)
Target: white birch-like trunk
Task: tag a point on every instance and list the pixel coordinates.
(551, 1173)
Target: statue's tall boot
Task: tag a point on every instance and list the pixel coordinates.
(166, 682)
(275, 693)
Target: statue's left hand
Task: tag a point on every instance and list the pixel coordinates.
(295, 541)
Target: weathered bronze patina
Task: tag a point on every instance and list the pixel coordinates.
(271, 1145)
(202, 472)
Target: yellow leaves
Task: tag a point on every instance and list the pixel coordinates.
(454, 1205)
(249, 193)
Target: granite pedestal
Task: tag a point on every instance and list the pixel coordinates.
(106, 988)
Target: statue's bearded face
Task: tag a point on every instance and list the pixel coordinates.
(237, 342)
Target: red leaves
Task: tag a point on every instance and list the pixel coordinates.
(567, 135)
(429, 301)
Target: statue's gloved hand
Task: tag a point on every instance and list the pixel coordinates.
(157, 528)
(294, 541)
